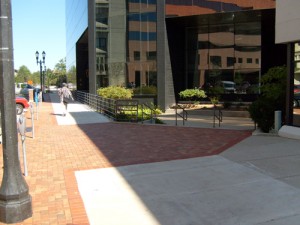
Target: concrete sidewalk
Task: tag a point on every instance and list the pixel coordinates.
(256, 181)
(85, 169)
(77, 113)
(207, 121)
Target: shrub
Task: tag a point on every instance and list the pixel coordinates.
(192, 94)
(151, 90)
(214, 100)
(262, 113)
(115, 92)
(272, 98)
(227, 105)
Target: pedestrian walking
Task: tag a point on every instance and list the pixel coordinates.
(65, 96)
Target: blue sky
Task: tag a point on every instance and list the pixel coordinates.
(38, 25)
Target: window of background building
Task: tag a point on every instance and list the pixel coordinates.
(151, 55)
(249, 60)
(230, 61)
(102, 13)
(136, 55)
(216, 61)
(102, 43)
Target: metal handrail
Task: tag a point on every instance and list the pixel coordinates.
(152, 112)
(112, 108)
(184, 114)
(128, 108)
(102, 105)
(218, 116)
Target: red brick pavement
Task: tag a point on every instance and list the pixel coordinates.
(57, 152)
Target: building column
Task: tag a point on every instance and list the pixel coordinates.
(290, 83)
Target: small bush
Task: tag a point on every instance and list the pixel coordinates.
(227, 105)
(262, 113)
(272, 98)
(214, 100)
(150, 90)
(115, 92)
(192, 94)
(147, 112)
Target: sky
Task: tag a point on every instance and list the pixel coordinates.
(38, 25)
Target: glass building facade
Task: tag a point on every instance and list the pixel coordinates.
(76, 24)
(199, 7)
(163, 47)
(230, 50)
(142, 38)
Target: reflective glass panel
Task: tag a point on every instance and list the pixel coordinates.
(141, 51)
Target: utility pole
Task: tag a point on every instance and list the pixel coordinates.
(15, 201)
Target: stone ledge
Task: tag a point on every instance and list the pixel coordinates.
(226, 113)
(289, 132)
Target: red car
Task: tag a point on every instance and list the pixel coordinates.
(21, 104)
(296, 88)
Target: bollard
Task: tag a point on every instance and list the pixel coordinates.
(21, 123)
(277, 116)
(36, 99)
(32, 119)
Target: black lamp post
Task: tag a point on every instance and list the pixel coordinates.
(41, 62)
(44, 78)
(15, 201)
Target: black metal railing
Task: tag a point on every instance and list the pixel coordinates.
(217, 115)
(126, 110)
(119, 110)
(102, 105)
(182, 114)
(148, 113)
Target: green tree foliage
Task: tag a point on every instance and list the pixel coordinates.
(23, 75)
(35, 77)
(60, 67)
(274, 84)
(60, 72)
(52, 77)
(115, 92)
(71, 75)
(272, 98)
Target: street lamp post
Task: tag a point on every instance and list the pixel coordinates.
(15, 201)
(41, 62)
(44, 78)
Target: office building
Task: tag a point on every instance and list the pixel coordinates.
(160, 48)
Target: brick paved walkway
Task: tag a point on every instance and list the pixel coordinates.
(57, 152)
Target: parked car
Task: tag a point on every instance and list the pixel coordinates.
(296, 99)
(229, 86)
(296, 88)
(25, 90)
(18, 87)
(21, 104)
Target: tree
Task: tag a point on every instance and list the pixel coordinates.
(61, 66)
(272, 98)
(60, 72)
(35, 77)
(24, 75)
(51, 77)
(71, 75)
